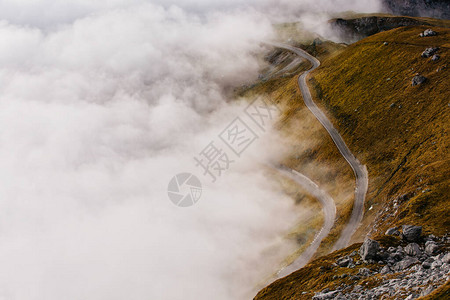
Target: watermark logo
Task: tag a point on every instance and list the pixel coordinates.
(184, 190)
(223, 151)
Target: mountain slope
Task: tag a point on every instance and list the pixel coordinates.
(400, 132)
(429, 8)
(356, 27)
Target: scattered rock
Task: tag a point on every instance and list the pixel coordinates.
(427, 263)
(393, 230)
(435, 57)
(364, 272)
(369, 249)
(413, 249)
(329, 295)
(418, 79)
(436, 264)
(385, 270)
(431, 248)
(441, 68)
(428, 32)
(427, 291)
(429, 52)
(413, 273)
(405, 263)
(397, 256)
(412, 233)
(383, 256)
(344, 261)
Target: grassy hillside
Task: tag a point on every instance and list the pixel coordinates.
(400, 131)
(311, 150)
(319, 275)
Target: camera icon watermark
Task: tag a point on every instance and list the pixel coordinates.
(184, 190)
(226, 149)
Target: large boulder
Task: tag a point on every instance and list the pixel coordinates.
(428, 32)
(429, 52)
(418, 79)
(411, 233)
(369, 249)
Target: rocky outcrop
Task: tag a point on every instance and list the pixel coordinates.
(429, 52)
(369, 249)
(428, 32)
(418, 269)
(411, 233)
(419, 8)
(350, 30)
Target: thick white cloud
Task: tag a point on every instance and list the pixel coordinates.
(100, 105)
(97, 116)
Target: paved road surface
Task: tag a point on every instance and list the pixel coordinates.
(329, 212)
(360, 171)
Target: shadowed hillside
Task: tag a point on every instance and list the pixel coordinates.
(390, 102)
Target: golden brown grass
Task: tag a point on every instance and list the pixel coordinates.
(321, 274)
(399, 131)
(312, 151)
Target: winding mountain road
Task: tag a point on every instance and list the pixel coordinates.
(329, 211)
(360, 171)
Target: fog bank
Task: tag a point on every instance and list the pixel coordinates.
(100, 106)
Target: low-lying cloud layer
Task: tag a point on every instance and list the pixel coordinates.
(100, 105)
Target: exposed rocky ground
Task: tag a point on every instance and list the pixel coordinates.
(419, 8)
(403, 272)
(350, 30)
